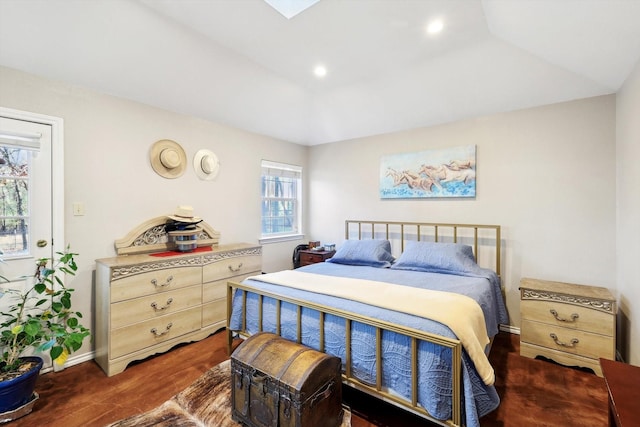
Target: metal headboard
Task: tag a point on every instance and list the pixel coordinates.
(476, 235)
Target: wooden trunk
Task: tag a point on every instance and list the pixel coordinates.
(278, 383)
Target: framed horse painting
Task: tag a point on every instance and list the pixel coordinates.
(448, 172)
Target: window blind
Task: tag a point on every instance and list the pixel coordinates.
(280, 169)
(25, 141)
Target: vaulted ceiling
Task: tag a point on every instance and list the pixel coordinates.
(242, 63)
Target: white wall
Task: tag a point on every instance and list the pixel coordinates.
(107, 143)
(546, 175)
(628, 214)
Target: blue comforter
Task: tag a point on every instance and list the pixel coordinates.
(434, 392)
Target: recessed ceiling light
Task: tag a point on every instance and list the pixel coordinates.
(320, 71)
(435, 26)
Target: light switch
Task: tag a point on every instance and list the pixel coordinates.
(78, 209)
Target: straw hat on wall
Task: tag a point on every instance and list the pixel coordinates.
(168, 159)
(206, 164)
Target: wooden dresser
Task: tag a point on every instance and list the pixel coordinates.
(147, 304)
(574, 325)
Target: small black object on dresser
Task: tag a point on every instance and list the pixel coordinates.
(281, 383)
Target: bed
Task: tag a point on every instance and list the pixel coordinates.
(407, 306)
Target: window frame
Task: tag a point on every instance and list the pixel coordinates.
(278, 169)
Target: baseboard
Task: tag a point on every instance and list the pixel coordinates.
(72, 361)
(510, 329)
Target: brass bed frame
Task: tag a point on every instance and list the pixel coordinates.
(476, 235)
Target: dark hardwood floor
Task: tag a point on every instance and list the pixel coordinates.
(532, 392)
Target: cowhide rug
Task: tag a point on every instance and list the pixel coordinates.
(206, 402)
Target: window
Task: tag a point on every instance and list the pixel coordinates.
(14, 200)
(281, 200)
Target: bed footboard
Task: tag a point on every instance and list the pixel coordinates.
(415, 336)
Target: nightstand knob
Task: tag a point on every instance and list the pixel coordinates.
(574, 341)
(574, 316)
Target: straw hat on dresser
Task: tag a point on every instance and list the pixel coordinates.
(184, 213)
(168, 159)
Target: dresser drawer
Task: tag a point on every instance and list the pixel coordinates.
(150, 307)
(574, 317)
(212, 291)
(232, 266)
(214, 312)
(145, 334)
(588, 344)
(153, 282)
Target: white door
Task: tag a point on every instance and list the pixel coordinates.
(31, 195)
(25, 195)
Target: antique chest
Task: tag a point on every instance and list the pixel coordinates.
(278, 383)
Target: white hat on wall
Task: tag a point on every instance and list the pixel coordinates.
(168, 159)
(206, 164)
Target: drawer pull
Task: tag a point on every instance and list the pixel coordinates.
(235, 270)
(154, 305)
(167, 282)
(155, 332)
(574, 317)
(574, 341)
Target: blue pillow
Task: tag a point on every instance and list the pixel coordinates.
(436, 257)
(371, 252)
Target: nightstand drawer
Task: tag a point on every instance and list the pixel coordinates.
(568, 316)
(567, 340)
(312, 257)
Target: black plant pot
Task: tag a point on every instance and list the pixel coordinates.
(16, 392)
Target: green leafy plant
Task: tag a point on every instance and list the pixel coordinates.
(40, 316)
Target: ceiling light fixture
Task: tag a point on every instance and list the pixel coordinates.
(435, 26)
(320, 71)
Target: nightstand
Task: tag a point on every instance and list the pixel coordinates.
(573, 325)
(311, 257)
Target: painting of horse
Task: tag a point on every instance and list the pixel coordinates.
(448, 172)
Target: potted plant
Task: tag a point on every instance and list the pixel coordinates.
(40, 319)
